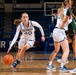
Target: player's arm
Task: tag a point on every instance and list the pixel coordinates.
(36, 24)
(66, 17)
(14, 39)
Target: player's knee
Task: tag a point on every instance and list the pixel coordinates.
(67, 51)
(56, 51)
(24, 47)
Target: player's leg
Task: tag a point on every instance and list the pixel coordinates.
(74, 47)
(29, 44)
(65, 47)
(20, 54)
(69, 39)
(22, 48)
(52, 56)
(15, 63)
(60, 60)
(20, 45)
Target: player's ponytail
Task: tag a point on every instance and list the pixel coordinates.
(62, 11)
(17, 21)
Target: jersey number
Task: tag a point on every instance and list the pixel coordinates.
(28, 33)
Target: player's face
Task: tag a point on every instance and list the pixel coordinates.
(25, 17)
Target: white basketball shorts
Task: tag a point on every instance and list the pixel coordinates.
(22, 42)
(59, 35)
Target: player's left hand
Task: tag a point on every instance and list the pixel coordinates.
(43, 38)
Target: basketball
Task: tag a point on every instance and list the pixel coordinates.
(8, 59)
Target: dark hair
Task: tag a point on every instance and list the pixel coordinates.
(17, 21)
(24, 13)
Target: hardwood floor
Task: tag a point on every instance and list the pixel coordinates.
(34, 64)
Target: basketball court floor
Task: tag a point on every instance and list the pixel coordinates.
(33, 64)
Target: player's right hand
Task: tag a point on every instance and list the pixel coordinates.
(9, 49)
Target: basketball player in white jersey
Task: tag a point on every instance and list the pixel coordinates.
(27, 39)
(59, 36)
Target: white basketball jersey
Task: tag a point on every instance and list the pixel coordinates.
(27, 32)
(59, 20)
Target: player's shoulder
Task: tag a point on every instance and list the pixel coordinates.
(20, 25)
(32, 21)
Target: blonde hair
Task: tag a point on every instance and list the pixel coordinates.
(61, 11)
(65, 2)
(62, 8)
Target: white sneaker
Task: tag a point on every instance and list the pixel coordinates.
(59, 60)
(73, 71)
